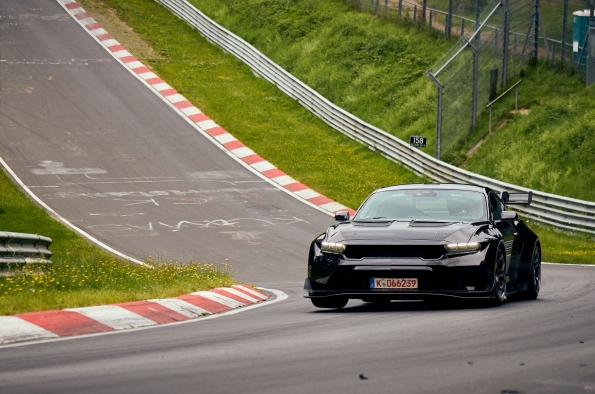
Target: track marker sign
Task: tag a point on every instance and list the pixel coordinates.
(418, 141)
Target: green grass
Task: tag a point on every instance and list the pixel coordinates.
(277, 127)
(82, 274)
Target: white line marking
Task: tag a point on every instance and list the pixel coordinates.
(182, 307)
(148, 75)
(230, 302)
(59, 217)
(113, 316)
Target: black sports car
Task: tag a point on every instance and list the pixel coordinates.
(425, 241)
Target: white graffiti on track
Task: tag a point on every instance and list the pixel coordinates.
(185, 224)
(157, 193)
(50, 62)
(249, 236)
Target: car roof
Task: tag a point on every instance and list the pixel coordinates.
(440, 186)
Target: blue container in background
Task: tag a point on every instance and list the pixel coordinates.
(580, 29)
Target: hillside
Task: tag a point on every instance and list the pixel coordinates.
(374, 69)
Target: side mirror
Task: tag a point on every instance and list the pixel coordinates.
(509, 215)
(342, 216)
(516, 198)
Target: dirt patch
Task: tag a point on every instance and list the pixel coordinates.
(123, 33)
(522, 111)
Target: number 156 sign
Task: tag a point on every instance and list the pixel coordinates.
(417, 141)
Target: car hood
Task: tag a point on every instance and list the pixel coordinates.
(416, 232)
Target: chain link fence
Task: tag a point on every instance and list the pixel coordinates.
(485, 58)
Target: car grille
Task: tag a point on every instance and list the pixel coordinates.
(394, 251)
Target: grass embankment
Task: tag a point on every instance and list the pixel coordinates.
(82, 274)
(277, 127)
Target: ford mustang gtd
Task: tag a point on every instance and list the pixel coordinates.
(424, 241)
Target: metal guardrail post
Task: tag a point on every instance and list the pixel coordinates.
(438, 114)
(449, 19)
(564, 21)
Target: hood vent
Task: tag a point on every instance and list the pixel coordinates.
(428, 252)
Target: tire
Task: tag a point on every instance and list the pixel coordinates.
(331, 302)
(499, 294)
(534, 281)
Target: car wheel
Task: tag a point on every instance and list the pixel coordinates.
(535, 276)
(331, 302)
(499, 278)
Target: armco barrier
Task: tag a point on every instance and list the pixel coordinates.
(19, 248)
(560, 211)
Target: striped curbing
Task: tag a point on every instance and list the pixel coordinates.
(204, 123)
(104, 318)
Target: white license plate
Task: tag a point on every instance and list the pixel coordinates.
(394, 283)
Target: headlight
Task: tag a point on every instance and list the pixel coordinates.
(331, 247)
(462, 247)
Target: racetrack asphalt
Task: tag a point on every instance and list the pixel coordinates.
(94, 143)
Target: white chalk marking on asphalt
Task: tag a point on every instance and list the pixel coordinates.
(249, 290)
(239, 294)
(113, 316)
(279, 296)
(148, 75)
(307, 194)
(63, 220)
(230, 302)
(182, 307)
(14, 329)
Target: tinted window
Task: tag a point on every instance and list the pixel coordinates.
(424, 204)
(496, 207)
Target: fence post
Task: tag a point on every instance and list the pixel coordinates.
(462, 27)
(400, 8)
(423, 11)
(591, 54)
(449, 19)
(563, 51)
(477, 4)
(536, 30)
(438, 114)
(385, 7)
(553, 55)
(430, 19)
(414, 14)
(505, 42)
(475, 82)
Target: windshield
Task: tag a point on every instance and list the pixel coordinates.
(424, 205)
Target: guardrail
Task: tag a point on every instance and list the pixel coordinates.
(548, 208)
(18, 248)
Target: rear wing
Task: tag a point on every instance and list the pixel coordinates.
(516, 198)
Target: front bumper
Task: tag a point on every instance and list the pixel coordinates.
(464, 276)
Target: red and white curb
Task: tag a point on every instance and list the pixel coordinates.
(129, 315)
(248, 157)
